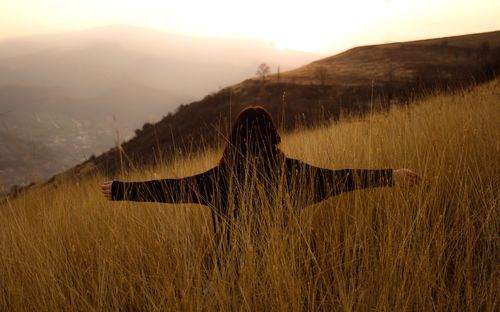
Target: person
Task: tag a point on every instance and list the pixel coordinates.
(252, 165)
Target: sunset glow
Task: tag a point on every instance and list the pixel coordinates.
(316, 26)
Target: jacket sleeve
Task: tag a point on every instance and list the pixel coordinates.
(197, 189)
(326, 182)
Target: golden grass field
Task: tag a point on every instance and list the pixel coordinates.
(432, 247)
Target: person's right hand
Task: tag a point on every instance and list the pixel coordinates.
(106, 189)
(405, 177)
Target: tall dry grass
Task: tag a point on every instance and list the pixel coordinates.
(432, 247)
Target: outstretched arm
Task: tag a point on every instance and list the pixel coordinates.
(334, 182)
(195, 189)
(327, 182)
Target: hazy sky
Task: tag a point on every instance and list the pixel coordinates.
(308, 25)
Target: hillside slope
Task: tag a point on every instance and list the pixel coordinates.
(441, 60)
(357, 81)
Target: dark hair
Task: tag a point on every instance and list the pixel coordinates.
(253, 133)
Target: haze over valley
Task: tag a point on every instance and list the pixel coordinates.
(64, 97)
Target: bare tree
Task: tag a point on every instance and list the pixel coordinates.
(321, 74)
(262, 71)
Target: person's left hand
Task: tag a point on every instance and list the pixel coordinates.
(106, 189)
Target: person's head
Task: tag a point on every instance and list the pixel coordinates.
(253, 133)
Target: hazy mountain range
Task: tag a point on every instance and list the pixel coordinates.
(66, 96)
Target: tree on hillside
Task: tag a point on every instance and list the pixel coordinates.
(262, 71)
(321, 74)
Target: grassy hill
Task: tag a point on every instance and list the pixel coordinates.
(432, 247)
(450, 60)
(357, 81)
